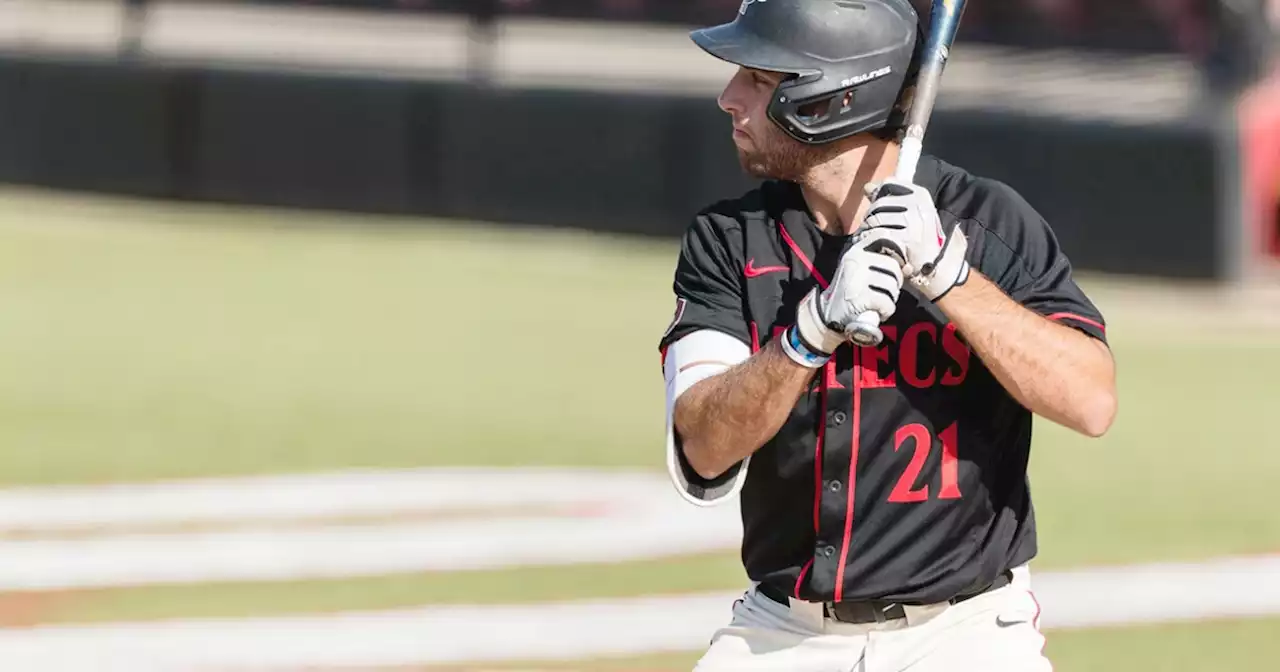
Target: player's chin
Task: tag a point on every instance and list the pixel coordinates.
(755, 165)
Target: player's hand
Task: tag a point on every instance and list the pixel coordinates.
(933, 260)
(867, 279)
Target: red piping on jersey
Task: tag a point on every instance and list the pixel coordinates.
(1077, 318)
(1035, 620)
(804, 259)
(755, 338)
(853, 470)
(1035, 623)
(800, 579)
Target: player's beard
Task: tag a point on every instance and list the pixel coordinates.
(776, 155)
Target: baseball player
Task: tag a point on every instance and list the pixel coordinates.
(886, 514)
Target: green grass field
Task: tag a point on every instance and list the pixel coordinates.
(146, 341)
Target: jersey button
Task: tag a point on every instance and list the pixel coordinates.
(836, 418)
(834, 486)
(829, 551)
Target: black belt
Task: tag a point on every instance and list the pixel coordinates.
(873, 611)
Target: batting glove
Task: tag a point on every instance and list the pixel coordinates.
(867, 279)
(933, 261)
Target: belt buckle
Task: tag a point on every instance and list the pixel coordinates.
(879, 612)
(829, 611)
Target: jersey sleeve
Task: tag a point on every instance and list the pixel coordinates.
(689, 360)
(1018, 250)
(708, 282)
(711, 330)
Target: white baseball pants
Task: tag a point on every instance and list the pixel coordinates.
(997, 631)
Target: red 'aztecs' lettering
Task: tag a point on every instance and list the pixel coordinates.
(833, 383)
(873, 360)
(944, 360)
(909, 353)
(918, 355)
(959, 353)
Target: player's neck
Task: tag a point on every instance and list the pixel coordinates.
(834, 191)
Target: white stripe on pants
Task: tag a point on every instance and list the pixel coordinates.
(994, 632)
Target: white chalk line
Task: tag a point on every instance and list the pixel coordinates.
(629, 517)
(318, 496)
(634, 516)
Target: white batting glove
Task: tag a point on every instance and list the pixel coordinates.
(934, 262)
(867, 280)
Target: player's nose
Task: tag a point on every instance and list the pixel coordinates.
(732, 98)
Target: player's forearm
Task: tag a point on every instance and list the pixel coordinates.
(725, 418)
(1052, 370)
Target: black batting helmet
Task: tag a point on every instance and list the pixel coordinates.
(848, 60)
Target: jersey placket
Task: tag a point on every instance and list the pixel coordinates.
(833, 489)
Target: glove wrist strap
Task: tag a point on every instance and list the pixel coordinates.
(951, 270)
(812, 329)
(801, 354)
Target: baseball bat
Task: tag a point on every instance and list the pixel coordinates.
(943, 23)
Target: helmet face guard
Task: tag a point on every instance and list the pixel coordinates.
(846, 61)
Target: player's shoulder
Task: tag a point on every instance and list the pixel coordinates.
(732, 218)
(990, 203)
(1003, 227)
(763, 202)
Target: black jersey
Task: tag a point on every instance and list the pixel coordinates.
(901, 473)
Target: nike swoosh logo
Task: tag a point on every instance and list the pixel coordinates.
(1009, 622)
(752, 272)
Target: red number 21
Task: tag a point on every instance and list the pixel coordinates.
(904, 491)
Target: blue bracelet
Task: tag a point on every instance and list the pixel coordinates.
(795, 348)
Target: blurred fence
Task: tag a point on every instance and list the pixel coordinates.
(1130, 141)
(1202, 30)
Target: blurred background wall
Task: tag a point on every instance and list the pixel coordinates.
(1125, 121)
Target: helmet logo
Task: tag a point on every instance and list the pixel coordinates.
(866, 77)
(747, 3)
